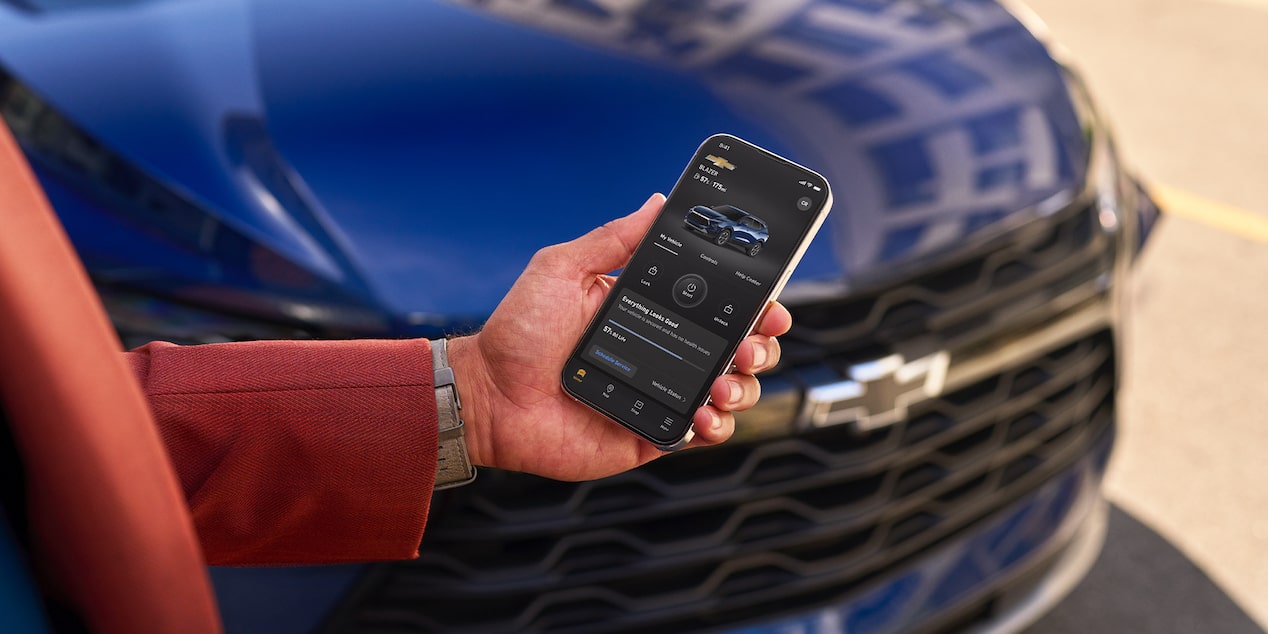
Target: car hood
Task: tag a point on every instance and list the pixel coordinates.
(429, 148)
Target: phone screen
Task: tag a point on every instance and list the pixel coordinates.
(723, 245)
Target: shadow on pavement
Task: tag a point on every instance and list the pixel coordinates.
(1142, 583)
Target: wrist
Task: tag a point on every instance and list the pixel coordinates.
(472, 385)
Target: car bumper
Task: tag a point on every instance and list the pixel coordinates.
(705, 230)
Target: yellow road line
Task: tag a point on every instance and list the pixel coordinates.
(1234, 220)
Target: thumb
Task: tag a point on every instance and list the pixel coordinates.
(609, 247)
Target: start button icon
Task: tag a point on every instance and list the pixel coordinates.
(690, 290)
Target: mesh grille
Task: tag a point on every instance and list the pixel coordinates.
(961, 302)
(715, 537)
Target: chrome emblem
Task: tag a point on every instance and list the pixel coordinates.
(878, 393)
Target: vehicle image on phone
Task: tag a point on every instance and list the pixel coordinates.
(726, 224)
(927, 456)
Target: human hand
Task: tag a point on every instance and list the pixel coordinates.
(516, 413)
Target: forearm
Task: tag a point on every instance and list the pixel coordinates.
(298, 452)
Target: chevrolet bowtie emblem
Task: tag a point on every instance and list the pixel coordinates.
(877, 393)
(720, 162)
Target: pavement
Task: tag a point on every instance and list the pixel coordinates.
(1185, 84)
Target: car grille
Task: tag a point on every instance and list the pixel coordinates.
(751, 529)
(1019, 280)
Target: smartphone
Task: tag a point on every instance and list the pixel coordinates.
(725, 243)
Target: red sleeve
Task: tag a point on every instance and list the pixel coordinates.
(298, 452)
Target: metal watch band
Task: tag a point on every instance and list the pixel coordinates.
(454, 466)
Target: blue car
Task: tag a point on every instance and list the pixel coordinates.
(928, 455)
(726, 224)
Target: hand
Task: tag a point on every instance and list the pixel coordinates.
(519, 418)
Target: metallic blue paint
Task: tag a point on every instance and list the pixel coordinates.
(19, 600)
(357, 141)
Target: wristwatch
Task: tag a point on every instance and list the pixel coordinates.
(454, 466)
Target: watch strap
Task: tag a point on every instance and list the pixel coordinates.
(453, 464)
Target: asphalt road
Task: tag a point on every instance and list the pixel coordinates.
(1185, 83)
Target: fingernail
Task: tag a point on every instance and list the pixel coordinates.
(760, 354)
(735, 392)
(716, 425)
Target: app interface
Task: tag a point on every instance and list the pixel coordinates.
(691, 291)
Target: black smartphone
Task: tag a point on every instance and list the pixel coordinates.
(731, 231)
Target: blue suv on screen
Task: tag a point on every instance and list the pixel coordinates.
(729, 225)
